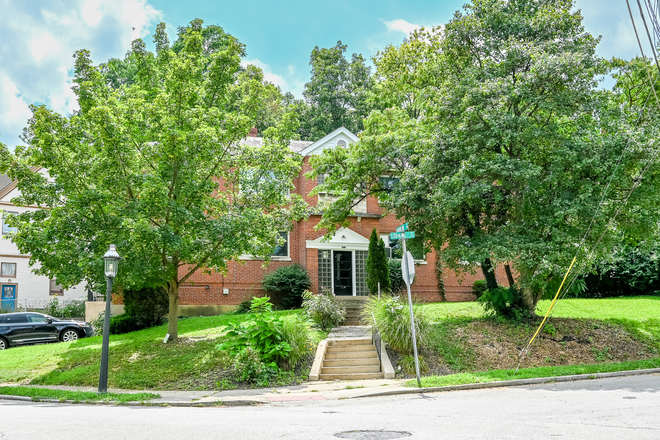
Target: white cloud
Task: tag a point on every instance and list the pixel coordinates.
(39, 38)
(401, 26)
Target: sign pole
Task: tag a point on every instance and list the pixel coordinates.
(412, 318)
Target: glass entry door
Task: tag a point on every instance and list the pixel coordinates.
(343, 272)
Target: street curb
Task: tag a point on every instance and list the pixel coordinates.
(513, 383)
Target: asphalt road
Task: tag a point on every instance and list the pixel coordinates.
(617, 408)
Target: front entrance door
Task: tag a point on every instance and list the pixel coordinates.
(343, 272)
(8, 297)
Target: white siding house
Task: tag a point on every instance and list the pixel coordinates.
(19, 286)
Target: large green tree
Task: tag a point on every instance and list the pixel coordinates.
(502, 142)
(337, 93)
(152, 165)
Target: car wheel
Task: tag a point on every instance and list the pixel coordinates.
(69, 336)
(3, 344)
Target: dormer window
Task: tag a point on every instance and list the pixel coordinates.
(341, 143)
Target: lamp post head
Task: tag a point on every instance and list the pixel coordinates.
(111, 261)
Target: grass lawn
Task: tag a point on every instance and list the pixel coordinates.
(583, 336)
(77, 396)
(138, 360)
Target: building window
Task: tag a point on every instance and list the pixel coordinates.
(361, 273)
(388, 182)
(56, 289)
(8, 270)
(282, 250)
(394, 248)
(341, 143)
(7, 229)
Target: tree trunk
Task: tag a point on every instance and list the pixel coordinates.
(509, 275)
(529, 300)
(173, 315)
(489, 273)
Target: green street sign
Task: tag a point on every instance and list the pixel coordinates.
(402, 228)
(400, 235)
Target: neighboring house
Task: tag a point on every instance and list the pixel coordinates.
(338, 265)
(19, 287)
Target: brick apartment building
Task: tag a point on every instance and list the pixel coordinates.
(338, 264)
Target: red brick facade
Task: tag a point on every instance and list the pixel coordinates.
(243, 278)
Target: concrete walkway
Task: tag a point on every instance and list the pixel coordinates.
(350, 332)
(325, 390)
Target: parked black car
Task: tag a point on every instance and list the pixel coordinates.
(29, 328)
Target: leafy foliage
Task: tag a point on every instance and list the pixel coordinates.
(336, 94)
(124, 323)
(286, 285)
(263, 334)
(396, 276)
(150, 165)
(323, 309)
(248, 366)
(478, 288)
(631, 271)
(391, 316)
(377, 268)
(503, 302)
(147, 305)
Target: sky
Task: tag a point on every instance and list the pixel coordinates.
(38, 37)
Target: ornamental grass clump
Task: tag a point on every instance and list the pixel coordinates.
(391, 316)
(323, 309)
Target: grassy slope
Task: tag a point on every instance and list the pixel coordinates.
(138, 360)
(638, 315)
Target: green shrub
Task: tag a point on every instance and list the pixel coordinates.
(147, 306)
(377, 267)
(125, 323)
(503, 302)
(296, 334)
(263, 333)
(286, 285)
(243, 308)
(391, 316)
(74, 308)
(478, 288)
(97, 323)
(396, 277)
(407, 363)
(249, 367)
(323, 309)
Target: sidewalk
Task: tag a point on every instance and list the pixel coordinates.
(324, 390)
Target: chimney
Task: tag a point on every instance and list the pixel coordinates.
(253, 132)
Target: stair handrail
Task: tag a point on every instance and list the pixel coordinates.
(375, 335)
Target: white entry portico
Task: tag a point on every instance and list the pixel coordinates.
(342, 262)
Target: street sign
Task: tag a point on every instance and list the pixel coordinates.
(402, 228)
(400, 235)
(410, 276)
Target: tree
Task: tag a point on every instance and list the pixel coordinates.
(377, 268)
(509, 146)
(336, 94)
(151, 166)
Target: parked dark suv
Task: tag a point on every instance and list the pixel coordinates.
(29, 328)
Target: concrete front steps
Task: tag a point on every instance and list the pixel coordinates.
(353, 306)
(350, 359)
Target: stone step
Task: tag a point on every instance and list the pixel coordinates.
(356, 341)
(346, 348)
(353, 376)
(351, 369)
(351, 362)
(351, 323)
(352, 354)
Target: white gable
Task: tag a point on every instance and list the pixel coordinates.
(343, 239)
(341, 136)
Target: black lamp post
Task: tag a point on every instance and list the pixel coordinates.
(111, 262)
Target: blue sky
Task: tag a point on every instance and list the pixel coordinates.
(38, 37)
